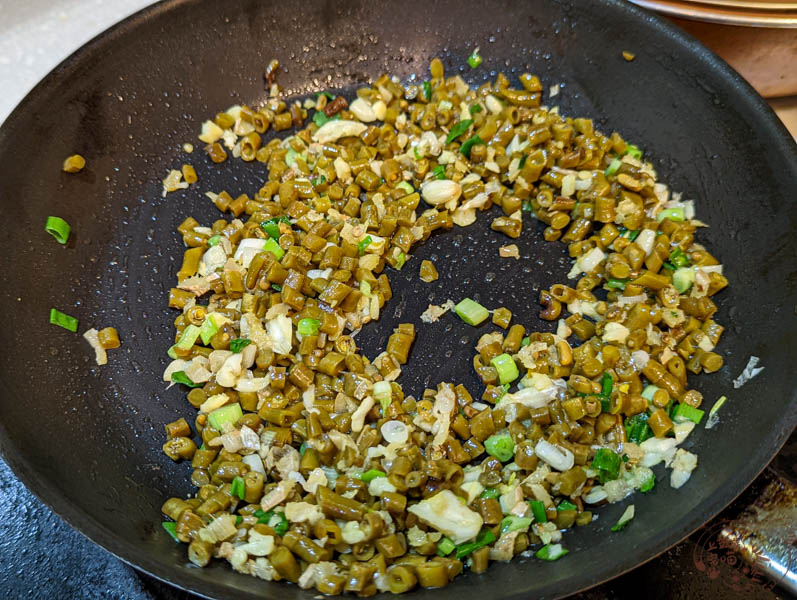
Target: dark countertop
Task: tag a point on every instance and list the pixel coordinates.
(43, 557)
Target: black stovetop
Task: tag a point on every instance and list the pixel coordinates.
(42, 557)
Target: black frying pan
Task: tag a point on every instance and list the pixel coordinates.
(87, 440)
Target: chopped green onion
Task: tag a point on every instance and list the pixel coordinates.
(613, 166)
(679, 258)
(469, 143)
(683, 278)
(237, 488)
(320, 118)
(458, 129)
(171, 529)
(400, 260)
(607, 384)
(501, 446)
(208, 329)
(490, 493)
(181, 377)
(673, 214)
(363, 244)
(512, 523)
(63, 320)
(276, 287)
(625, 519)
(439, 172)
(372, 474)
(326, 93)
(538, 511)
(316, 181)
(649, 484)
(445, 547)
(273, 247)
(186, 341)
(616, 284)
(649, 392)
(308, 326)
(485, 538)
(607, 463)
(238, 344)
(263, 517)
(282, 527)
(302, 448)
(551, 552)
(566, 505)
(475, 108)
(365, 288)
(632, 235)
(668, 266)
(230, 413)
(684, 412)
(417, 154)
(427, 90)
(383, 393)
(475, 59)
(213, 240)
(713, 419)
(633, 151)
(404, 185)
(471, 311)
(271, 227)
(525, 341)
(238, 520)
(637, 429)
(506, 367)
(58, 228)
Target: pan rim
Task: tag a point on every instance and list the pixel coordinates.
(129, 553)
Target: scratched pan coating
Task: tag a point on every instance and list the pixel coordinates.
(87, 440)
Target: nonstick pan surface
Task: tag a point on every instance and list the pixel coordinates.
(87, 439)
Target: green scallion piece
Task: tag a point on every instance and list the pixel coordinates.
(673, 214)
(400, 260)
(404, 185)
(551, 552)
(490, 493)
(475, 59)
(566, 505)
(58, 228)
(469, 143)
(445, 547)
(281, 528)
(427, 90)
(485, 538)
(458, 129)
(637, 429)
(501, 446)
(679, 258)
(471, 311)
(319, 118)
(363, 244)
(475, 108)
(263, 517)
(633, 151)
(302, 448)
(237, 488)
(607, 384)
(607, 463)
(439, 172)
(181, 377)
(649, 484)
(238, 344)
(186, 341)
(238, 520)
(613, 167)
(208, 329)
(276, 287)
(316, 181)
(668, 266)
(230, 413)
(171, 529)
(684, 412)
(512, 523)
(308, 326)
(616, 284)
(625, 519)
(372, 474)
(63, 320)
(633, 234)
(538, 511)
(683, 278)
(271, 227)
(213, 240)
(506, 367)
(525, 341)
(273, 247)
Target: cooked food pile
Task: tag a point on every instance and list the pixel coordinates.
(315, 466)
